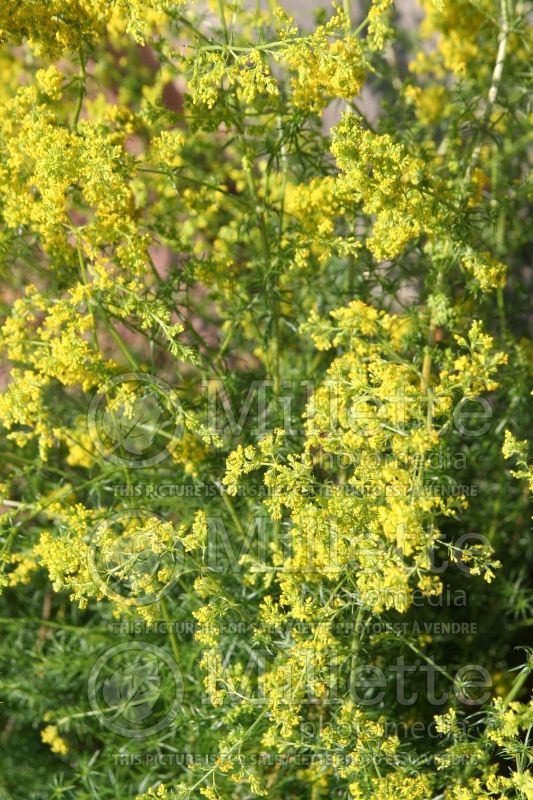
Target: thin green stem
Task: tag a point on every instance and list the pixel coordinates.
(431, 662)
(347, 7)
(81, 91)
(121, 344)
(85, 279)
(48, 623)
(354, 650)
(171, 632)
(222, 12)
(517, 686)
(233, 514)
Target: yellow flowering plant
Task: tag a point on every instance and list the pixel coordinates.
(265, 400)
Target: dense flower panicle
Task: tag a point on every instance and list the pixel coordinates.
(93, 557)
(266, 400)
(379, 522)
(404, 199)
(457, 23)
(67, 557)
(381, 175)
(379, 23)
(382, 530)
(212, 75)
(325, 70)
(53, 27)
(48, 170)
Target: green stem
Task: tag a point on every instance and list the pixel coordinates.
(354, 650)
(85, 279)
(273, 355)
(170, 631)
(348, 11)
(81, 630)
(430, 662)
(81, 91)
(233, 514)
(222, 12)
(519, 682)
(501, 312)
(121, 344)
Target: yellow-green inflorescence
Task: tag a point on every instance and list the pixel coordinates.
(265, 399)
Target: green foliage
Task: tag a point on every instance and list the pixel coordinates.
(266, 401)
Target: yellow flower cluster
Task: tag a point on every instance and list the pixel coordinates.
(394, 786)
(212, 75)
(403, 199)
(380, 522)
(318, 206)
(160, 793)
(489, 273)
(509, 721)
(457, 25)
(379, 23)
(54, 26)
(48, 173)
(64, 355)
(66, 555)
(51, 27)
(325, 70)
(387, 181)
(25, 566)
(430, 103)
(493, 786)
(129, 559)
(51, 737)
(518, 451)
